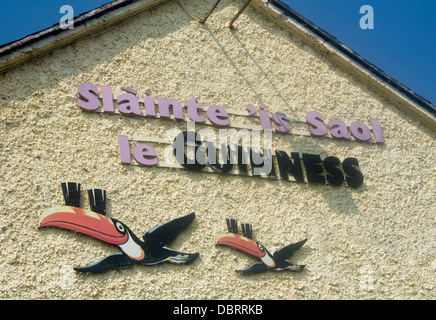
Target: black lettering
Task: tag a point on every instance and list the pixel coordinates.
(334, 173)
(314, 169)
(285, 164)
(262, 163)
(242, 162)
(222, 168)
(191, 138)
(353, 177)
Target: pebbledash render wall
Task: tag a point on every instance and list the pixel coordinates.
(376, 241)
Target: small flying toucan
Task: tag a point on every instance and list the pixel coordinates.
(152, 250)
(276, 261)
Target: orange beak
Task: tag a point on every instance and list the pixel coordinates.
(84, 221)
(241, 243)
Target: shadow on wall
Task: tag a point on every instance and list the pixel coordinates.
(340, 199)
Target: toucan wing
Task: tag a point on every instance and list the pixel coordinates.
(287, 251)
(257, 267)
(166, 233)
(114, 261)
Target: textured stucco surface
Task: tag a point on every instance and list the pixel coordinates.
(384, 229)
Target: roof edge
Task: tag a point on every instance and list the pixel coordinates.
(20, 51)
(55, 29)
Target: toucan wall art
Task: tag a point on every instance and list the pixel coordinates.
(277, 261)
(150, 251)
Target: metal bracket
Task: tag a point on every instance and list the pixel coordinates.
(238, 14)
(203, 20)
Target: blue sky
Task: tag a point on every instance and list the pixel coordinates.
(402, 43)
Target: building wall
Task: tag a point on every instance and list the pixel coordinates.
(376, 241)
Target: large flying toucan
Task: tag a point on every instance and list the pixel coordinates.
(276, 261)
(152, 250)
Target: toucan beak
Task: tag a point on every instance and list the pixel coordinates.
(241, 243)
(84, 221)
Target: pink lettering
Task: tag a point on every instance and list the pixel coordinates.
(360, 131)
(316, 123)
(218, 115)
(339, 130)
(193, 108)
(88, 96)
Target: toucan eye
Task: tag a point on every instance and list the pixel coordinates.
(119, 226)
(260, 246)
